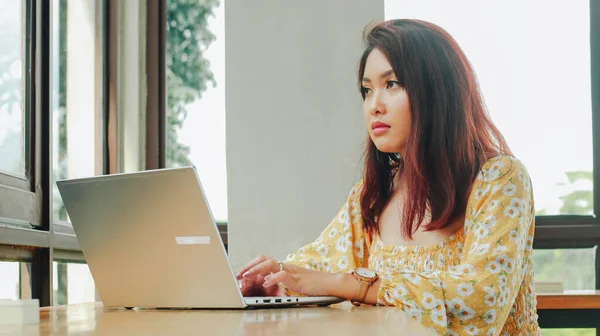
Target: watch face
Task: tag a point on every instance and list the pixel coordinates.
(365, 272)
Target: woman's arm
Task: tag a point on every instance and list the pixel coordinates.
(339, 248)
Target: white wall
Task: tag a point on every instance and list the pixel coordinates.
(295, 133)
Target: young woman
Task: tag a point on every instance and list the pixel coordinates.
(442, 223)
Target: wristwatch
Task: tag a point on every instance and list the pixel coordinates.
(366, 278)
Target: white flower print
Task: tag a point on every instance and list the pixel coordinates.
(471, 330)
(495, 188)
(323, 250)
(388, 297)
(343, 243)
(511, 211)
(518, 203)
(502, 299)
(497, 165)
(465, 289)
(502, 281)
(482, 192)
(343, 216)
(482, 249)
(510, 266)
(314, 265)
(489, 221)
(343, 263)
(482, 229)
(493, 173)
(428, 301)
(499, 249)
(493, 267)
(502, 259)
(490, 316)
(290, 257)
(465, 269)
(490, 299)
(439, 317)
(529, 241)
(459, 308)
(415, 313)
(414, 278)
(509, 189)
(492, 204)
(513, 235)
(326, 265)
(436, 283)
(399, 292)
(332, 233)
(429, 265)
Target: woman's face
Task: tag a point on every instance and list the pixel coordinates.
(386, 106)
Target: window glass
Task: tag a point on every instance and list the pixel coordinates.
(575, 268)
(73, 283)
(196, 95)
(9, 281)
(537, 94)
(12, 84)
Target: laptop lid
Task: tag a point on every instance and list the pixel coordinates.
(150, 240)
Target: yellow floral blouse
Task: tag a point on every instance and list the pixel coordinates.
(479, 281)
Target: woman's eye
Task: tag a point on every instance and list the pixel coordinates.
(393, 85)
(365, 91)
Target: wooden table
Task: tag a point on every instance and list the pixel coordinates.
(339, 319)
(571, 309)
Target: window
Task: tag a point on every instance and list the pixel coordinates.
(543, 109)
(12, 87)
(568, 332)
(17, 173)
(9, 282)
(195, 61)
(73, 284)
(573, 267)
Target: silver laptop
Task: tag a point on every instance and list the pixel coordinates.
(150, 241)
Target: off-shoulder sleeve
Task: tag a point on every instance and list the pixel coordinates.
(476, 296)
(341, 246)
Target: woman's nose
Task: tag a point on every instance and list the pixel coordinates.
(377, 104)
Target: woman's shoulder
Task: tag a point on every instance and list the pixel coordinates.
(501, 166)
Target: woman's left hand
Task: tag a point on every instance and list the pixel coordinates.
(295, 278)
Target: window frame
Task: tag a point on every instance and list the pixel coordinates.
(19, 195)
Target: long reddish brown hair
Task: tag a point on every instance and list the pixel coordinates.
(451, 132)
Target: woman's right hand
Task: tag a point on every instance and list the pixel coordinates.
(253, 285)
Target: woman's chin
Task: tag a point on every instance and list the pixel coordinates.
(387, 148)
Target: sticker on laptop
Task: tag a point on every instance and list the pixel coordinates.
(193, 240)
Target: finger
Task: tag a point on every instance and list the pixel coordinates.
(283, 277)
(264, 268)
(245, 286)
(252, 287)
(253, 263)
